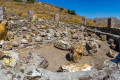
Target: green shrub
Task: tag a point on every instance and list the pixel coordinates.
(72, 12)
(19, 0)
(69, 11)
(31, 1)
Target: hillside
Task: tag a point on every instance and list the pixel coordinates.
(105, 20)
(43, 10)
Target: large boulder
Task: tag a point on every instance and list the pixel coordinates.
(74, 68)
(92, 46)
(62, 45)
(3, 30)
(76, 53)
(10, 59)
(37, 60)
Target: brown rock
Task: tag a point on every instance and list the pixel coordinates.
(76, 53)
(1, 54)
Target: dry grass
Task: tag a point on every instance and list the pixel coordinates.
(44, 11)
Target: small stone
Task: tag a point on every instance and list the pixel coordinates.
(113, 46)
(103, 37)
(7, 47)
(51, 31)
(10, 35)
(15, 44)
(1, 55)
(48, 38)
(33, 74)
(38, 39)
(111, 41)
(24, 41)
(32, 34)
(43, 34)
(57, 34)
(111, 54)
(75, 36)
(49, 35)
(24, 28)
(1, 43)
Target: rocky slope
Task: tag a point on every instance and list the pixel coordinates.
(42, 10)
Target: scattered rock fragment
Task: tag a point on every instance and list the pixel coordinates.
(37, 60)
(103, 37)
(111, 54)
(7, 47)
(9, 60)
(110, 41)
(92, 47)
(43, 34)
(38, 39)
(1, 43)
(62, 45)
(35, 73)
(24, 28)
(15, 44)
(109, 63)
(24, 41)
(74, 68)
(1, 55)
(113, 46)
(10, 35)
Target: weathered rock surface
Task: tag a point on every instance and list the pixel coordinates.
(37, 60)
(62, 45)
(24, 41)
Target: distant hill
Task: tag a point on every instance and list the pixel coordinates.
(43, 10)
(105, 21)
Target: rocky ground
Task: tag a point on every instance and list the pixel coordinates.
(37, 51)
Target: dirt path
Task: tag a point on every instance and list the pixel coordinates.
(57, 57)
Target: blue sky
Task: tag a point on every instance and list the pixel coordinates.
(90, 8)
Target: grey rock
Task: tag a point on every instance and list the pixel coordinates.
(43, 34)
(24, 41)
(57, 34)
(62, 45)
(108, 63)
(37, 60)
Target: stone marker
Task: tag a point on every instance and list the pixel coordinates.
(2, 13)
(110, 23)
(84, 20)
(30, 15)
(56, 17)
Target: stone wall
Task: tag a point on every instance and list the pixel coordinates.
(106, 29)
